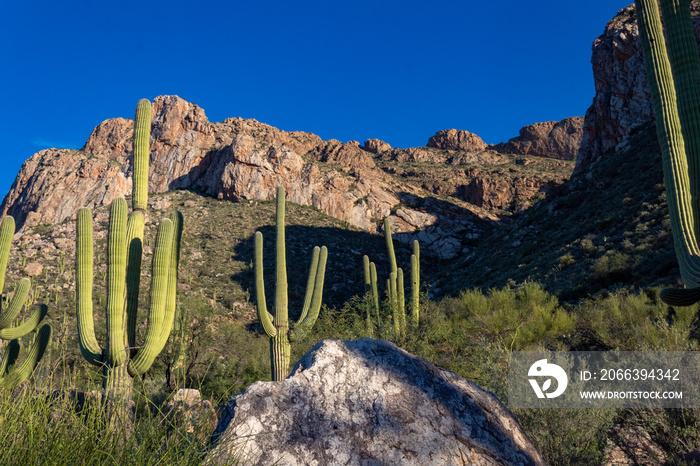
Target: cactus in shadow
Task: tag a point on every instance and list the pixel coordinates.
(277, 326)
(11, 374)
(673, 72)
(122, 358)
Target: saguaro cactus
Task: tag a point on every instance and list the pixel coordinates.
(277, 327)
(673, 71)
(10, 374)
(395, 284)
(121, 358)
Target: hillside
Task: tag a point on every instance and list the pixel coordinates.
(557, 239)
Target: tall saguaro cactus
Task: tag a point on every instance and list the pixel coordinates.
(12, 375)
(121, 358)
(673, 71)
(277, 326)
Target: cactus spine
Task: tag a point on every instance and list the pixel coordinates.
(673, 71)
(10, 374)
(122, 359)
(277, 326)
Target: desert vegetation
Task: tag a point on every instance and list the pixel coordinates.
(573, 271)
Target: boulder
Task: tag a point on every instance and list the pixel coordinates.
(457, 139)
(369, 402)
(376, 146)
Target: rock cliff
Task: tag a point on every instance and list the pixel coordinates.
(556, 139)
(241, 159)
(622, 101)
(369, 402)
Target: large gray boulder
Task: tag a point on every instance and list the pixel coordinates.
(367, 402)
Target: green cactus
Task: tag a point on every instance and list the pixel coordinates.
(10, 374)
(673, 71)
(368, 295)
(122, 359)
(395, 285)
(277, 327)
(371, 288)
(415, 284)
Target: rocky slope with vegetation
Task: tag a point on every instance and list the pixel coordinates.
(495, 219)
(241, 159)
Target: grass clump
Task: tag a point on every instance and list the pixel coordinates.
(40, 428)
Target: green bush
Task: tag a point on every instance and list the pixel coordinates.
(633, 321)
(613, 267)
(522, 318)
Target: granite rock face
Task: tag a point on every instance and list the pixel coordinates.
(240, 159)
(555, 139)
(622, 100)
(369, 402)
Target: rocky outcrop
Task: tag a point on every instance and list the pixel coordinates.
(457, 139)
(369, 402)
(555, 139)
(622, 101)
(494, 193)
(241, 159)
(376, 146)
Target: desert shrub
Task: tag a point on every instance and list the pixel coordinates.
(633, 321)
(519, 318)
(568, 436)
(613, 267)
(566, 259)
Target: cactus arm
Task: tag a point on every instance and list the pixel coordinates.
(142, 136)
(375, 291)
(116, 279)
(393, 304)
(89, 347)
(156, 314)
(7, 230)
(368, 280)
(390, 247)
(280, 320)
(16, 304)
(171, 297)
(134, 243)
(302, 329)
(20, 374)
(11, 355)
(310, 288)
(27, 326)
(668, 127)
(263, 315)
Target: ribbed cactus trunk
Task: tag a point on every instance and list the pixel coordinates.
(277, 326)
(673, 72)
(280, 349)
(415, 284)
(117, 376)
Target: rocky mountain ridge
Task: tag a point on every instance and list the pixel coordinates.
(241, 159)
(622, 101)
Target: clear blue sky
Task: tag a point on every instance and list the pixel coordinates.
(394, 70)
